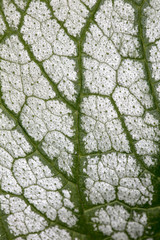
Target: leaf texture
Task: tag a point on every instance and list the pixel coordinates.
(79, 119)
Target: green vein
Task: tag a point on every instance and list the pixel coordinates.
(78, 105)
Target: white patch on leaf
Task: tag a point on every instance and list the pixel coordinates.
(152, 15)
(115, 176)
(99, 47)
(21, 219)
(11, 14)
(2, 26)
(20, 77)
(52, 123)
(102, 126)
(20, 3)
(50, 234)
(99, 77)
(51, 45)
(116, 20)
(41, 189)
(131, 75)
(117, 218)
(62, 71)
(72, 13)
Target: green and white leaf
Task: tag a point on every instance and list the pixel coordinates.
(79, 119)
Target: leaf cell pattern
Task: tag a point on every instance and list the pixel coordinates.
(79, 119)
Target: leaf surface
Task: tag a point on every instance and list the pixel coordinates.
(79, 119)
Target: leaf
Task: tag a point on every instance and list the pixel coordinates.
(79, 119)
